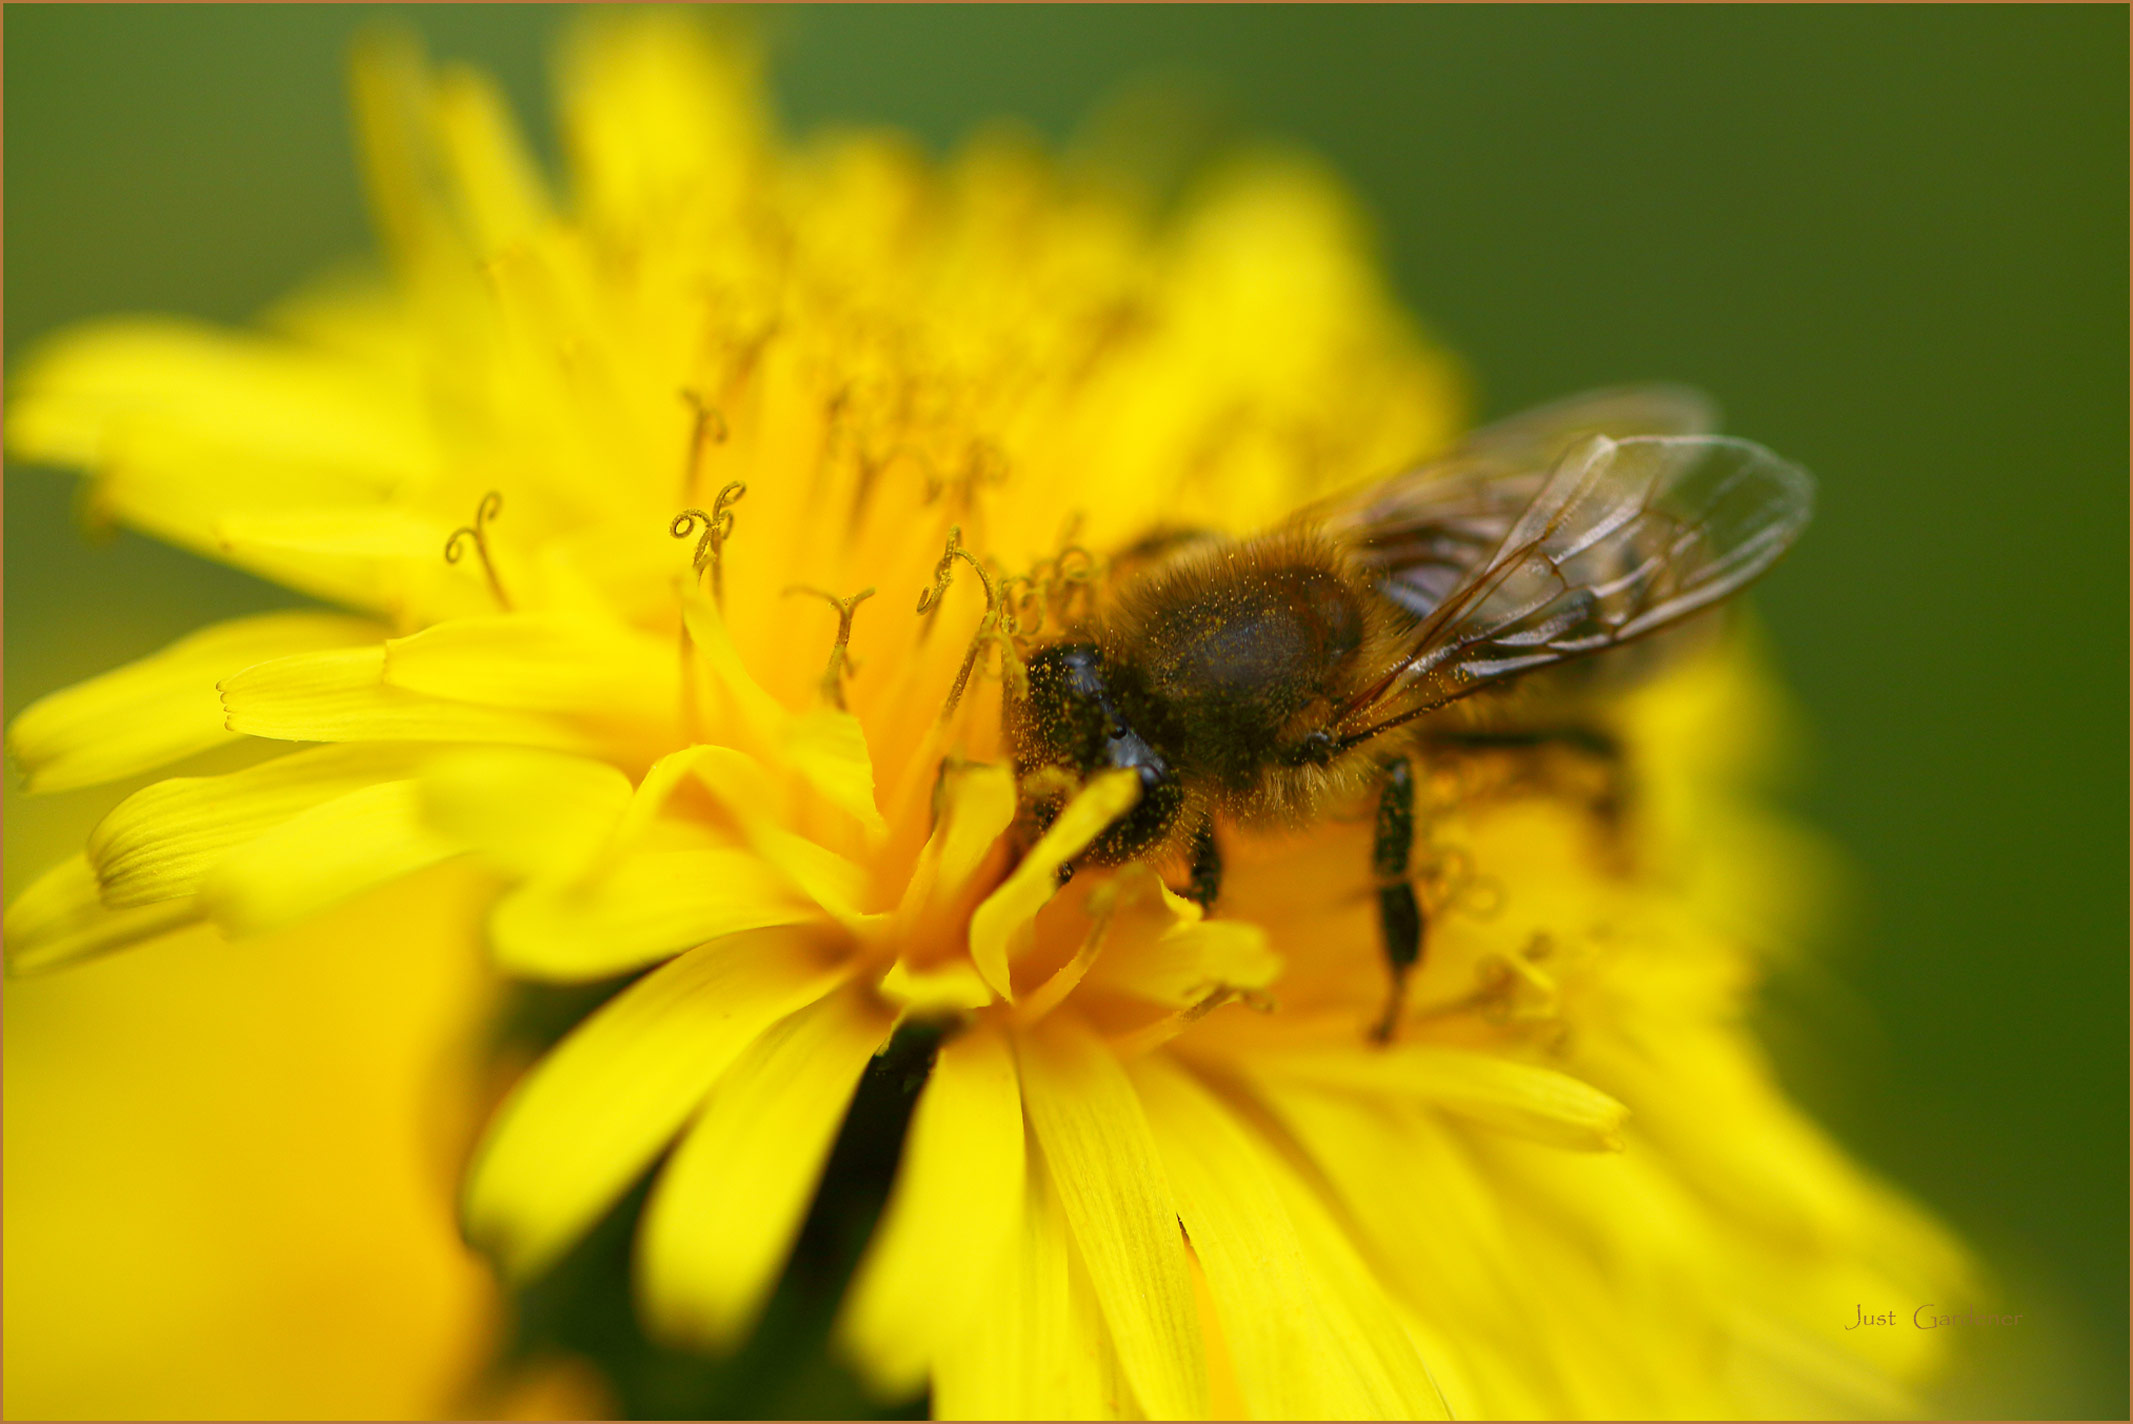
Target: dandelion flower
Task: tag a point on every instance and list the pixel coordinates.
(695, 431)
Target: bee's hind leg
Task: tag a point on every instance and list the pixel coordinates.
(1204, 879)
(1399, 912)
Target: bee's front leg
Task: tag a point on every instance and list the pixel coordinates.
(1399, 912)
(1204, 880)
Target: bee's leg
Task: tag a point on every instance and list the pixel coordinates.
(1204, 879)
(1399, 912)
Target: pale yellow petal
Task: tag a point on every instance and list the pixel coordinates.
(730, 1202)
(532, 814)
(60, 919)
(322, 856)
(747, 790)
(1000, 926)
(1101, 1158)
(163, 707)
(342, 696)
(949, 1223)
(1305, 1342)
(647, 904)
(1515, 1097)
(160, 841)
(370, 532)
(596, 1111)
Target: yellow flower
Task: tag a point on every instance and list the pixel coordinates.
(1157, 1167)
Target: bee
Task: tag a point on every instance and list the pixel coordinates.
(1268, 679)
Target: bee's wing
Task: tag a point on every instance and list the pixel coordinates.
(1422, 532)
(1620, 539)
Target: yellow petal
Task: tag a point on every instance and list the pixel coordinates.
(951, 1220)
(594, 1112)
(1036, 1347)
(322, 856)
(540, 664)
(1520, 1098)
(60, 919)
(1101, 1158)
(341, 696)
(730, 1203)
(1177, 961)
(533, 814)
(1305, 1343)
(1001, 923)
(646, 905)
(363, 531)
(741, 784)
(163, 707)
(742, 707)
(159, 842)
(829, 750)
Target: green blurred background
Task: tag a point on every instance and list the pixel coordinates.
(1892, 241)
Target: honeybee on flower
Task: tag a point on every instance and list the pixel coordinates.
(696, 431)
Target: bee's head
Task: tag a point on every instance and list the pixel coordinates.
(1083, 715)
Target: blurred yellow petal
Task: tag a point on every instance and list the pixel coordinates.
(1305, 1343)
(729, 1204)
(322, 856)
(1515, 1097)
(645, 905)
(950, 1221)
(1178, 962)
(502, 196)
(533, 814)
(163, 707)
(1101, 1158)
(341, 696)
(61, 919)
(127, 387)
(594, 1113)
(656, 119)
(1000, 924)
(744, 703)
(160, 841)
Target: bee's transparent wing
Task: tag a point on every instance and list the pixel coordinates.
(1423, 532)
(1621, 539)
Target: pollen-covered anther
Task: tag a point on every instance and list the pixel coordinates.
(711, 544)
(492, 504)
(840, 659)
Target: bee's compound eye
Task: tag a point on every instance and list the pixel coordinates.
(1118, 731)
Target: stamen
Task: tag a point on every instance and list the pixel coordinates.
(1155, 1035)
(990, 628)
(711, 547)
(840, 652)
(710, 427)
(1053, 991)
(492, 504)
